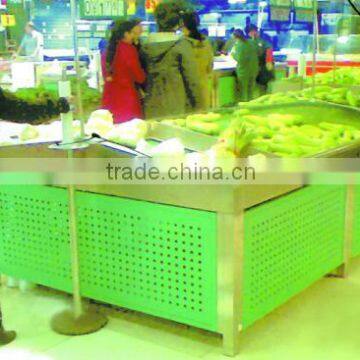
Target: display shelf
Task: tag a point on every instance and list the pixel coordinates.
(153, 258)
(174, 262)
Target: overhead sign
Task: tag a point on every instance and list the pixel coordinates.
(280, 10)
(304, 10)
(102, 9)
(303, 4)
(8, 20)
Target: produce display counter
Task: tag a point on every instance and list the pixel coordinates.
(218, 259)
(224, 88)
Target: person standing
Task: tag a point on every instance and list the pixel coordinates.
(32, 44)
(173, 86)
(204, 57)
(229, 43)
(6, 337)
(265, 55)
(123, 73)
(247, 69)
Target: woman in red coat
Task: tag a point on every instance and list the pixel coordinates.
(123, 73)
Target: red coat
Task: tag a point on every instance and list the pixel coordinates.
(120, 96)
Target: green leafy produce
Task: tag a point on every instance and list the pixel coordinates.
(236, 139)
(352, 98)
(345, 76)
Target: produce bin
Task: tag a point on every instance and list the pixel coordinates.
(218, 259)
(312, 112)
(212, 270)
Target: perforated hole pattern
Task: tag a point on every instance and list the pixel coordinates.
(157, 259)
(356, 243)
(34, 235)
(161, 260)
(149, 256)
(290, 243)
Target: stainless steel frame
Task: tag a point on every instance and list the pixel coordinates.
(230, 204)
(230, 279)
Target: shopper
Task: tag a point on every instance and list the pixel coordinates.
(103, 45)
(6, 337)
(123, 72)
(137, 32)
(247, 69)
(16, 110)
(204, 57)
(230, 43)
(173, 86)
(265, 55)
(32, 44)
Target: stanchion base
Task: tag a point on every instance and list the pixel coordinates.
(65, 323)
(6, 337)
(73, 146)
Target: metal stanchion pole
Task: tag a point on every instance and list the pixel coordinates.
(80, 320)
(67, 119)
(78, 309)
(79, 103)
(315, 46)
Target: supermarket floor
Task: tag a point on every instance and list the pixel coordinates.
(321, 323)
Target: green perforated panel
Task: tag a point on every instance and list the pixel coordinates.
(34, 235)
(153, 258)
(356, 242)
(290, 243)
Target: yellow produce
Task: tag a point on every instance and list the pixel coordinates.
(241, 112)
(209, 117)
(208, 128)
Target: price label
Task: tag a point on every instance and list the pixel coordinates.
(280, 10)
(150, 5)
(8, 20)
(131, 7)
(304, 15)
(279, 14)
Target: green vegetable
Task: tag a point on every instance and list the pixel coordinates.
(203, 127)
(352, 99)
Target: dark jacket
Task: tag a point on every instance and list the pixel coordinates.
(245, 54)
(265, 75)
(173, 87)
(20, 111)
(204, 59)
